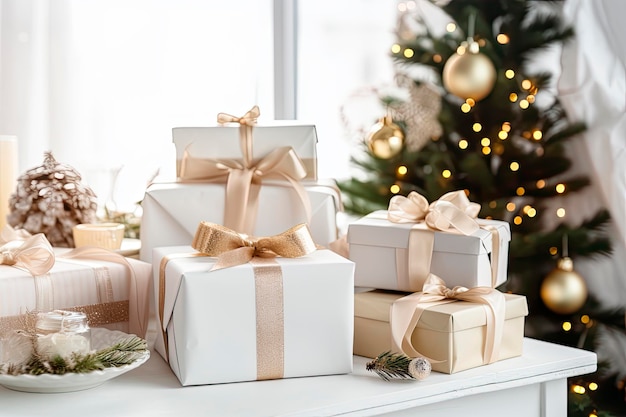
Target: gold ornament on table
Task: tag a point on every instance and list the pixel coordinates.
(563, 290)
(385, 139)
(468, 73)
(51, 199)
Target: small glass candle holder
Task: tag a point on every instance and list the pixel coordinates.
(62, 333)
(103, 235)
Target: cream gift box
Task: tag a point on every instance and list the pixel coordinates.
(172, 211)
(222, 142)
(452, 334)
(380, 250)
(102, 289)
(210, 317)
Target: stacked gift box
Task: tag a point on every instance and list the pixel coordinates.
(237, 248)
(426, 275)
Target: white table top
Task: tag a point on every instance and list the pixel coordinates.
(153, 390)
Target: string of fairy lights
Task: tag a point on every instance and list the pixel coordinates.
(525, 97)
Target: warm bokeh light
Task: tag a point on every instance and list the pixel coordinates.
(524, 104)
(503, 135)
(471, 102)
(477, 127)
(502, 38)
(402, 170)
(485, 141)
(446, 173)
(395, 189)
(514, 166)
(486, 150)
(578, 389)
(532, 212)
(465, 108)
(493, 204)
(560, 188)
(512, 97)
(395, 48)
(451, 27)
(567, 326)
(517, 220)
(530, 98)
(408, 53)
(537, 135)
(526, 84)
(540, 184)
(509, 74)
(463, 144)
(520, 191)
(510, 206)
(437, 58)
(461, 49)
(560, 212)
(593, 386)
(506, 126)
(553, 250)
(584, 319)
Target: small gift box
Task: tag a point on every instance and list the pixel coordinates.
(172, 211)
(223, 142)
(453, 334)
(263, 318)
(110, 289)
(397, 253)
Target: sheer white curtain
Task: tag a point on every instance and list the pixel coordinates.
(101, 83)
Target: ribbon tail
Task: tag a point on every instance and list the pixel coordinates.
(240, 201)
(138, 287)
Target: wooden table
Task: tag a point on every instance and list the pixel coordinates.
(534, 384)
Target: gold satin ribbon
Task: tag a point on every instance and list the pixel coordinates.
(231, 249)
(405, 314)
(137, 298)
(25, 251)
(453, 210)
(243, 180)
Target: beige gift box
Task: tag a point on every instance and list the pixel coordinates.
(172, 212)
(222, 142)
(100, 289)
(380, 251)
(211, 317)
(453, 333)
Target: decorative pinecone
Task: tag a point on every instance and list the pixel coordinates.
(51, 199)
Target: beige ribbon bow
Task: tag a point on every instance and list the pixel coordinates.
(232, 248)
(452, 210)
(405, 313)
(23, 250)
(243, 179)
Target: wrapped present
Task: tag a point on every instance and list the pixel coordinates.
(110, 289)
(456, 329)
(397, 249)
(222, 141)
(244, 316)
(245, 174)
(172, 211)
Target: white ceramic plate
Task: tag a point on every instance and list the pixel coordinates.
(100, 338)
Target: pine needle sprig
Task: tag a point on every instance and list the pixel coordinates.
(390, 365)
(122, 353)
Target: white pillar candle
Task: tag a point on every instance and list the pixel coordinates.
(8, 174)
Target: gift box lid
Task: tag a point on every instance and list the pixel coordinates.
(449, 317)
(375, 230)
(302, 137)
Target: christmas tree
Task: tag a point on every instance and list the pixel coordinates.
(481, 116)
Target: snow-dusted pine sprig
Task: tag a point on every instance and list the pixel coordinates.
(389, 365)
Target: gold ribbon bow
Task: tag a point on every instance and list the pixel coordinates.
(405, 313)
(452, 210)
(232, 248)
(23, 250)
(243, 180)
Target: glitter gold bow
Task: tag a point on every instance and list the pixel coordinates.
(232, 248)
(243, 179)
(23, 250)
(405, 313)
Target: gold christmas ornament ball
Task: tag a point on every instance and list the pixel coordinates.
(385, 139)
(563, 290)
(470, 75)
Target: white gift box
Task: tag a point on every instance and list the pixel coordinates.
(380, 251)
(222, 142)
(100, 289)
(211, 325)
(172, 212)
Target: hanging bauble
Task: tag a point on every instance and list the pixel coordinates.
(469, 75)
(563, 290)
(51, 199)
(385, 139)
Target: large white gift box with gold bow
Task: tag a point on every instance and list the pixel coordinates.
(172, 211)
(238, 324)
(453, 335)
(399, 255)
(111, 290)
(222, 142)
